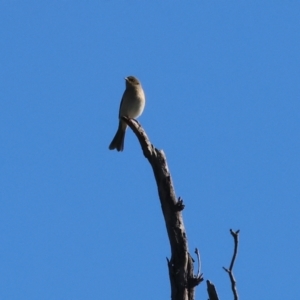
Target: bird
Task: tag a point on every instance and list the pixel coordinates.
(132, 106)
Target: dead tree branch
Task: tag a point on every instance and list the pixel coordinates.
(180, 265)
(235, 236)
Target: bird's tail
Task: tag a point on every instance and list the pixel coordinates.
(118, 140)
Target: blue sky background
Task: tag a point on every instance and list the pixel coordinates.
(222, 81)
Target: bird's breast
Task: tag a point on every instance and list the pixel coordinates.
(133, 104)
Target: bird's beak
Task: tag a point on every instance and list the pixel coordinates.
(126, 78)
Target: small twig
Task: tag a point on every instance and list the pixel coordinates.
(196, 279)
(199, 262)
(229, 271)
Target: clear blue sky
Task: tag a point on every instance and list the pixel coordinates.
(222, 81)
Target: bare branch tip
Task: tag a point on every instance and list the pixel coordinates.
(234, 233)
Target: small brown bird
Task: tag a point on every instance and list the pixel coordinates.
(132, 106)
